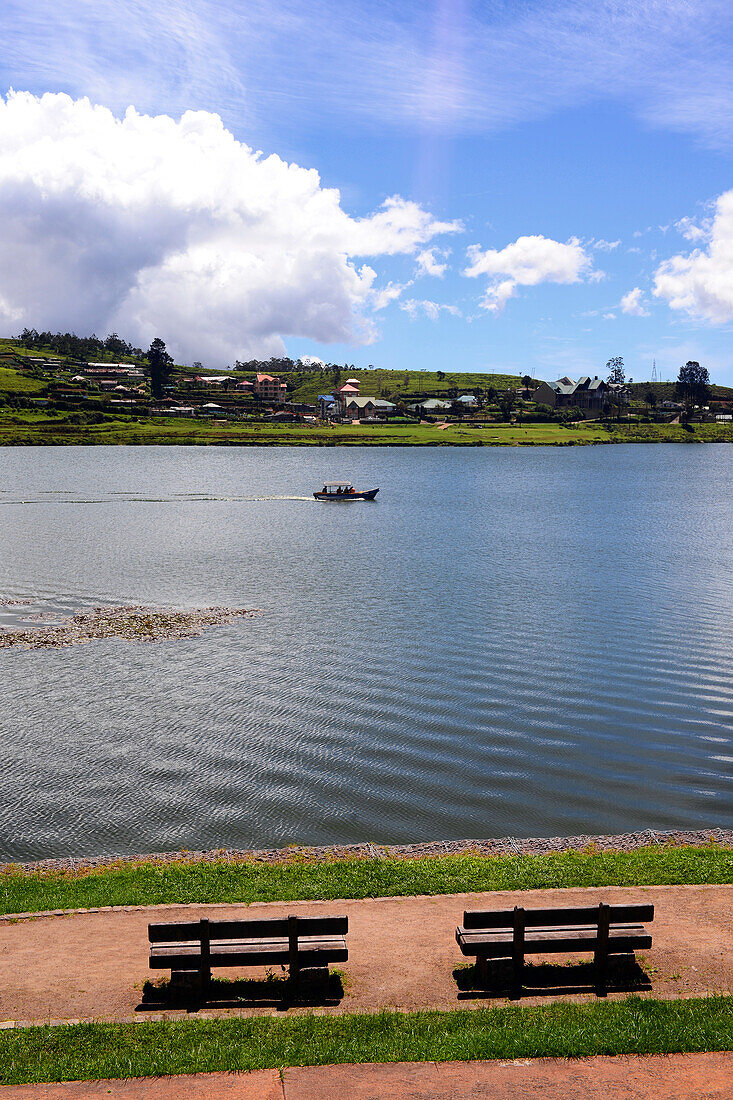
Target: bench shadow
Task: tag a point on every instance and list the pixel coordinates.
(317, 988)
(624, 975)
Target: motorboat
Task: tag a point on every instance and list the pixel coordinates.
(344, 490)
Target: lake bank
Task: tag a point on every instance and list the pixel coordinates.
(37, 429)
(56, 888)
(498, 846)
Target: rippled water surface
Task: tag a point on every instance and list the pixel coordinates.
(508, 641)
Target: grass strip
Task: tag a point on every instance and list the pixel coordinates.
(91, 1051)
(21, 427)
(153, 883)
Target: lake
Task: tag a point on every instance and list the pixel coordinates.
(508, 641)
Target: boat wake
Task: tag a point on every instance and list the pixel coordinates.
(130, 498)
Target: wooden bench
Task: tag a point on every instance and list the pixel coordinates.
(513, 933)
(193, 948)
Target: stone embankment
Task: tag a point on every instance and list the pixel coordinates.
(619, 842)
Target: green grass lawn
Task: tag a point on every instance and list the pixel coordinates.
(31, 427)
(149, 883)
(92, 1051)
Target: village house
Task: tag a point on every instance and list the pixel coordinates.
(214, 381)
(268, 388)
(361, 408)
(587, 394)
(113, 370)
(346, 393)
(431, 407)
(173, 410)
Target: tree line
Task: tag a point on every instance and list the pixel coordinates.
(77, 347)
(692, 387)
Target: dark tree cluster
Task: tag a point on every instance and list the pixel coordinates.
(161, 365)
(274, 365)
(693, 384)
(84, 348)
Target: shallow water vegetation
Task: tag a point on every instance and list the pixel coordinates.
(108, 1050)
(141, 624)
(242, 881)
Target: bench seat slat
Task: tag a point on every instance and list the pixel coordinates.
(267, 928)
(546, 940)
(313, 950)
(503, 918)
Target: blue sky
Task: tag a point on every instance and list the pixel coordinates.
(576, 157)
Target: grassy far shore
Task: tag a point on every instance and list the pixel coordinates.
(93, 1051)
(25, 428)
(147, 882)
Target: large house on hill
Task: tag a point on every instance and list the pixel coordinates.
(587, 394)
(268, 388)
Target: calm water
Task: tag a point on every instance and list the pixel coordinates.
(509, 641)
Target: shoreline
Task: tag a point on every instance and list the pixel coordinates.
(166, 441)
(157, 431)
(501, 846)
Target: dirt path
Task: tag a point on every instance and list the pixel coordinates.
(633, 1077)
(402, 955)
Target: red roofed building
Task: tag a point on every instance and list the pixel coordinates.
(345, 393)
(268, 388)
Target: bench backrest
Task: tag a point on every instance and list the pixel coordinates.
(578, 915)
(265, 928)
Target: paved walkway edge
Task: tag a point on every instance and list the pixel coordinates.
(627, 1077)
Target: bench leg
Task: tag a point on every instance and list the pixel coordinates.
(600, 961)
(184, 986)
(482, 968)
(600, 956)
(517, 974)
(204, 982)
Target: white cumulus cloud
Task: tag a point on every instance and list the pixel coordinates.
(527, 262)
(700, 283)
(157, 227)
(632, 303)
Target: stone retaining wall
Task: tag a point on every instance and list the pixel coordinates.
(624, 842)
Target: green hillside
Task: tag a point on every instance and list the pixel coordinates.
(407, 384)
(13, 381)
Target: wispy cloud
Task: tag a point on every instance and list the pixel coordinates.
(446, 66)
(431, 261)
(605, 246)
(632, 303)
(432, 310)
